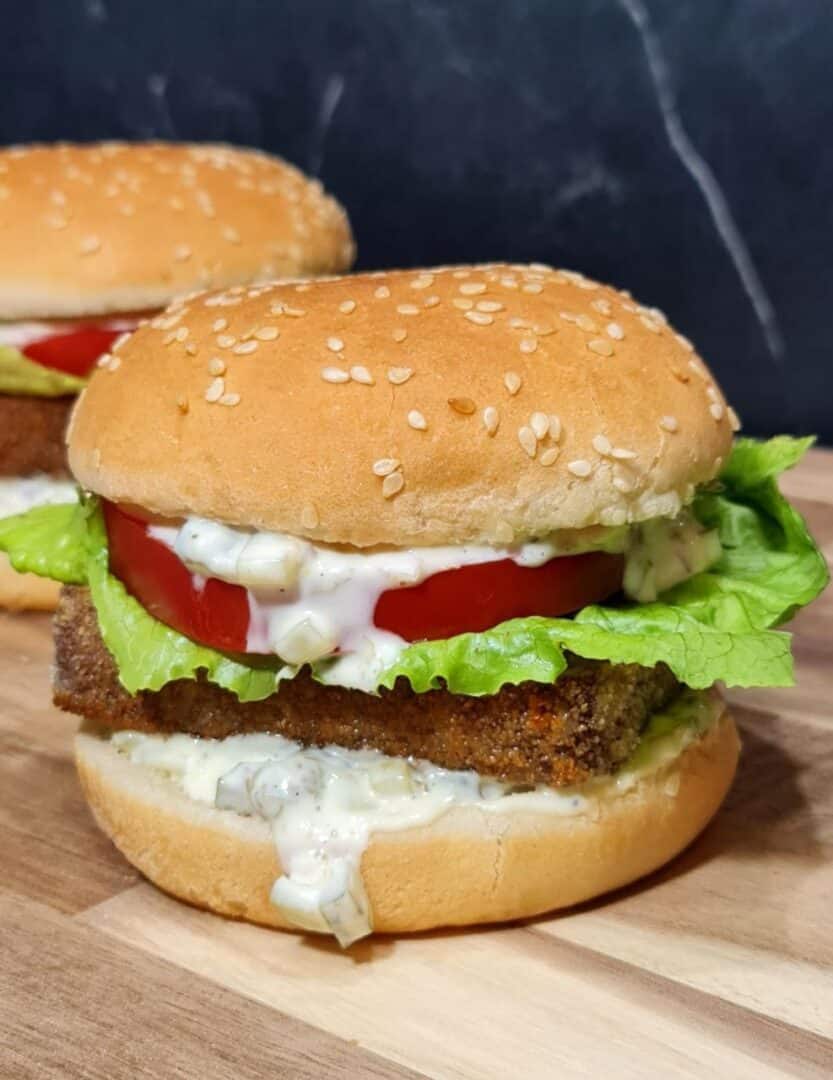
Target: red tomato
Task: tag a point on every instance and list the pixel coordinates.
(74, 352)
(216, 615)
(469, 598)
(478, 597)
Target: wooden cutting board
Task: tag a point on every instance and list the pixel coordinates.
(720, 965)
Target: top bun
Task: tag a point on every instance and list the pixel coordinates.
(483, 403)
(115, 227)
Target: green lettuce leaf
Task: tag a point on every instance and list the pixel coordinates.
(717, 626)
(20, 375)
(50, 541)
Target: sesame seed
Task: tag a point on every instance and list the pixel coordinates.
(216, 366)
(181, 334)
(169, 339)
(489, 305)
(89, 245)
(697, 369)
(621, 454)
(309, 516)
(417, 420)
(734, 419)
(555, 428)
(550, 456)
(225, 341)
(182, 404)
(528, 345)
(480, 318)
(540, 424)
(568, 316)
(584, 322)
(347, 307)
(509, 282)
(580, 468)
(230, 234)
(181, 253)
(463, 405)
(218, 325)
(407, 309)
(602, 306)
(472, 288)
(542, 330)
(293, 312)
(615, 331)
(623, 484)
(360, 374)
(399, 334)
(115, 363)
(385, 466)
(392, 484)
(649, 324)
(229, 399)
(335, 344)
(56, 221)
(512, 382)
(120, 342)
(716, 409)
(104, 360)
(463, 304)
(430, 301)
(267, 333)
(399, 375)
(461, 274)
(600, 346)
(532, 287)
(334, 375)
(244, 348)
(526, 437)
(686, 344)
(602, 445)
(669, 423)
(517, 323)
(382, 292)
(491, 419)
(712, 394)
(424, 281)
(216, 390)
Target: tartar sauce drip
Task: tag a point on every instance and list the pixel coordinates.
(324, 804)
(306, 600)
(21, 493)
(17, 335)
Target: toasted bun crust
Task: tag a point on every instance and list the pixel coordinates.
(226, 408)
(468, 866)
(26, 592)
(88, 229)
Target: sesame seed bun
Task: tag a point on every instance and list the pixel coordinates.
(485, 403)
(26, 592)
(90, 229)
(468, 866)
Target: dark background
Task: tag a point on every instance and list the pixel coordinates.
(680, 148)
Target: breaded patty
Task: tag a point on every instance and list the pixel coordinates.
(32, 434)
(586, 724)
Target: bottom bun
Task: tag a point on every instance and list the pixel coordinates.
(26, 592)
(467, 866)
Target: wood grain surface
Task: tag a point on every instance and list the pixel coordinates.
(719, 965)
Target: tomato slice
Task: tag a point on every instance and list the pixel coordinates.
(214, 613)
(74, 351)
(478, 597)
(470, 598)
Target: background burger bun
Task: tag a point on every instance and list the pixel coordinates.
(466, 867)
(485, 403)
(115, 227)
(26, 592)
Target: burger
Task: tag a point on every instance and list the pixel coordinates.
(399, 600)
(96, 237)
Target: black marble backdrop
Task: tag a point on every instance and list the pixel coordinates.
(681, 148)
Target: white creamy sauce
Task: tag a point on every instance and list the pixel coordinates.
(17, 335)
(21, 493)
(324, 804)
(309, 602)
